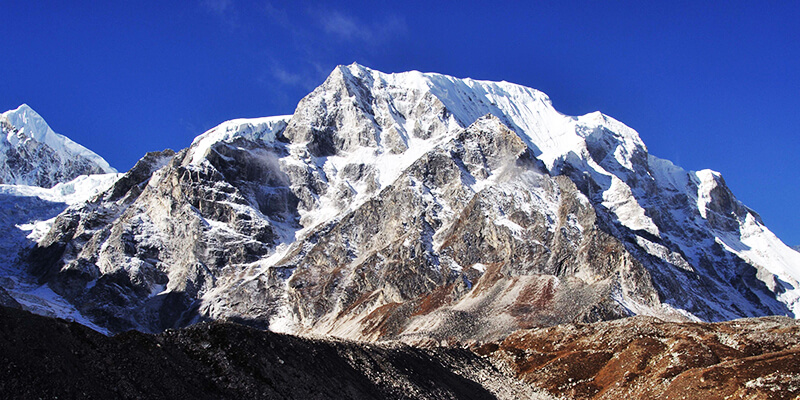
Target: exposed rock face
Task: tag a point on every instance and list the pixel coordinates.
(417, 207)
(433, 258)
(32, 154)
(646, 358)
(76, 245)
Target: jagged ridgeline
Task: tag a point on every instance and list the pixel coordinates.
(418, 207)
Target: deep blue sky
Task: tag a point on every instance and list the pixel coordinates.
(706, 86)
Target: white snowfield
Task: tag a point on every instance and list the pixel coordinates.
(76, 191)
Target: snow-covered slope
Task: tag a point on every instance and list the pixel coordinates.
(420, 206)
(26, 214)
(32, 154)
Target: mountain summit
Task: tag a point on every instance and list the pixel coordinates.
(419, 207)
(32, 154)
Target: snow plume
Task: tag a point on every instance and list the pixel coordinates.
(269, 162)
(349, 28)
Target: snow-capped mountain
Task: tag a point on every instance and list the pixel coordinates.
(41, 174)
(32, 154)
(420, 207)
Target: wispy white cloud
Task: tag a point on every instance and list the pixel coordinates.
(225, 10)
(350, 28)
(320, 37)
(218, 6)
(342, 26)
(305, 75)
(285, 77)
(278, 16)
(392, 27)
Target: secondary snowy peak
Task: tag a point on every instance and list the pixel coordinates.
(741, 231)
(31, 153)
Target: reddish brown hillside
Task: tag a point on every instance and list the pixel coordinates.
(645, 358)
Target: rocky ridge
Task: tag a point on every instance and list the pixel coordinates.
(639, 357)
(48, 358)
(418, 207)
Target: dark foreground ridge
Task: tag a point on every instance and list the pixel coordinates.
(632, 358)
(50, 358)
